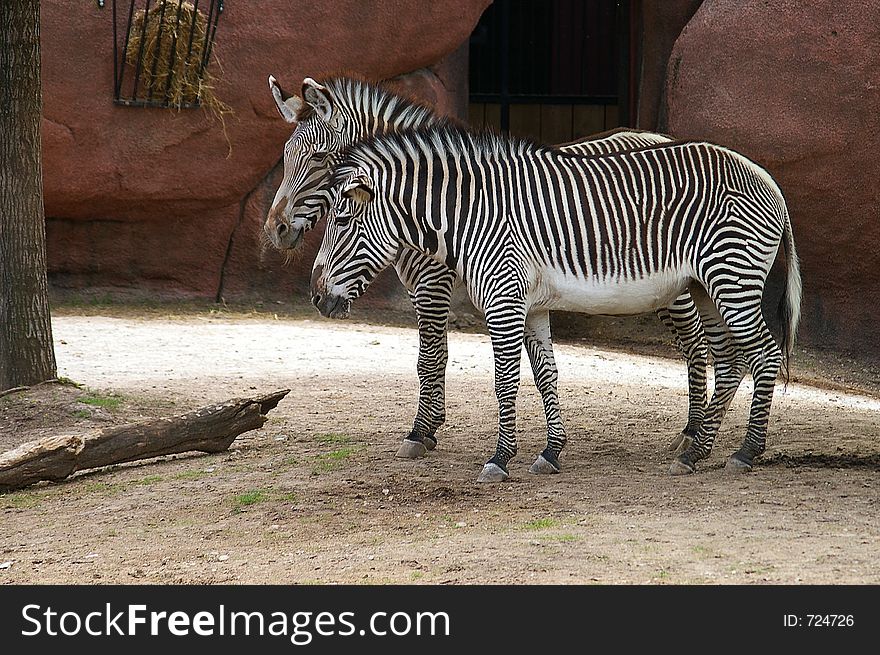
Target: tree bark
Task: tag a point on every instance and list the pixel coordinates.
(27, 355)
(208, 430)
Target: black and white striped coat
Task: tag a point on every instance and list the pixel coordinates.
(339, 111)
(530, 229)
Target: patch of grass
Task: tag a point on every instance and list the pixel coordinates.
(97, 400)
(324, 466)
(541, 524)
(250, 498)
(256, 496)
(20, 500)
(564, 538)
(416, 575)
(340, 454)
(332, 460)
(147, 481)
(65, 381)
(101, 488)
(82, 413)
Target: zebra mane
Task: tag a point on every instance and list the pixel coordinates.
(375, 103)
(444, 137)
(447, 136)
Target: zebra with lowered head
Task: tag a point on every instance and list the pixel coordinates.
(529, 229)
(339, 111)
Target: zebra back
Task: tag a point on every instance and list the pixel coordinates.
(623, 214)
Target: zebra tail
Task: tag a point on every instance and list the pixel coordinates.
(789, 309)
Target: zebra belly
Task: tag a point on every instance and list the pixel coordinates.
(566, 292)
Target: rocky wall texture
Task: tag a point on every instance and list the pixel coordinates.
(796, 87)
(661, 21)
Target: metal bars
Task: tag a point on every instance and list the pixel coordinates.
(161, 50)
(559, 52)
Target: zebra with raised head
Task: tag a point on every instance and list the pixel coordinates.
(339, 111)
(529, 229)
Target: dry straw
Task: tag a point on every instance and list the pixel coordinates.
(171, 68)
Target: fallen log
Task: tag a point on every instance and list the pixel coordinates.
(209, 430)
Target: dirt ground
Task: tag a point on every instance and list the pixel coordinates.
(317, 496)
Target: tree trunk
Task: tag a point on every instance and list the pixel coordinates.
(27, 355)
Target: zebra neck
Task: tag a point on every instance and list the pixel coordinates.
(418, 235)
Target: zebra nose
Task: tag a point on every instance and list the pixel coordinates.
(281, 229)
(316, 300)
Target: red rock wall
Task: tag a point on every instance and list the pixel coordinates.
(147, 199)
(796, 86)
(661, 23)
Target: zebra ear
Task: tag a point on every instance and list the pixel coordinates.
(359, 188)
(288, 105)
(317, 97)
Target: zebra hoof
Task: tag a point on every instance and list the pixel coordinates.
(430, 443)
(735, 465)
(410, 449)
(681, 468)
(542, 466)
(492, 473)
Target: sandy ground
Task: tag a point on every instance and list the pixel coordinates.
(317, 495)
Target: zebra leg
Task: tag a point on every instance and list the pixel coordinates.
(506, 322)
(683, 320)
(431, 301)
(539, 347)
(728, 376)
(764, 359)
(729, 371)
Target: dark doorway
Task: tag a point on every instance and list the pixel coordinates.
(554, 70)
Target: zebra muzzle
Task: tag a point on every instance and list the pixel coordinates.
(331, 306)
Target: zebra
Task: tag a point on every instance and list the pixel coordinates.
(339, 111)
(529, 229)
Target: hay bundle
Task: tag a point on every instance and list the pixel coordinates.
(170, 68)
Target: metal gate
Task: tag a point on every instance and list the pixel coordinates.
(553, 70)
